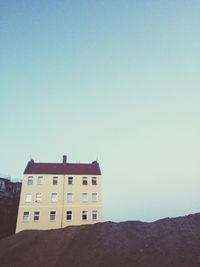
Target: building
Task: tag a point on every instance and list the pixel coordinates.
(56, 195)
(16, 189)
(8, 188)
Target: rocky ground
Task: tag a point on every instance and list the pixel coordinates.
(168, 242)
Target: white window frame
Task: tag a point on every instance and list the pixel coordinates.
(94, 197)
(70, 180)
(84, 213)
(27, 216)
(38, 197)
(30, 180)
(40, 180)
(84, 197)
(50, 214)
(94, 180)
(84, 180)
(70, 199)
(55, 180)
(36, 216)
(68, 215)
(95, 213)
(54, 197)
(28, 198)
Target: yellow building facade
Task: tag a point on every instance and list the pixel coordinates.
(56, 195)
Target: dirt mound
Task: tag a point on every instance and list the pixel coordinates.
(164, 243)
(8, 215)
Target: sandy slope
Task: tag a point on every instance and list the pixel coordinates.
(164, 243)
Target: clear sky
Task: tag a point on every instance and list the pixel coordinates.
(117, 80)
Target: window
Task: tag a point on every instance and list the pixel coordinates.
(52, 216)
(55, 180)
(38, 197)
(70, 180)
(69, 197)
(84, 215)
(68, 215)
(2, 185)
(84, 197)
(40, 180)
(85, 181)
(30, 180)
(36, 216)
(26, 216)
(28, 198)
(94, 180)
(94, 215)
(94, 197)
(54, 197)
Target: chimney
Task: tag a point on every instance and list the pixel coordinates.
(64, 158)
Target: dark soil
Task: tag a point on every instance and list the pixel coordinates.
(165, 243)
(8, 216)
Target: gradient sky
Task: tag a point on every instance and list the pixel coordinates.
(113, 80)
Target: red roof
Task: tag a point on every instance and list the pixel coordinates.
(63, 168)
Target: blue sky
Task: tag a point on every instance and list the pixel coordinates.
(117, 80)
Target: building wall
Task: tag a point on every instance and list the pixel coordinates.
(9, 189)
(62, 188)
